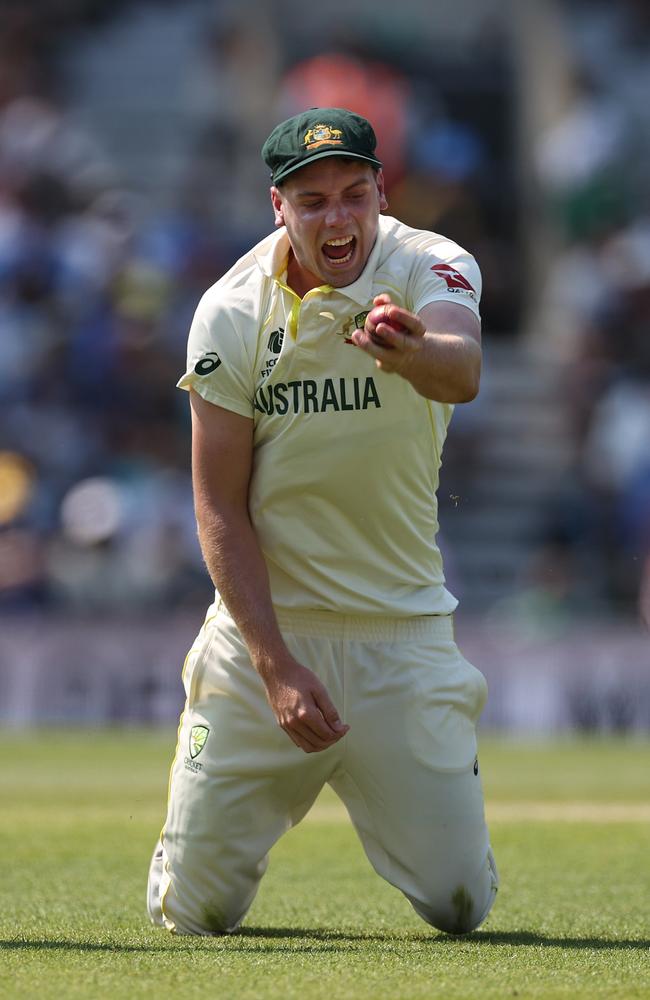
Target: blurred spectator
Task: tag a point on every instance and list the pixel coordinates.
(87, 368)
(595, 316)
(372, 89)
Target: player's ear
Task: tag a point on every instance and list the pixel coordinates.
(278, 210)
(383, 202)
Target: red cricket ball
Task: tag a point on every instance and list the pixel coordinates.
(379, 315)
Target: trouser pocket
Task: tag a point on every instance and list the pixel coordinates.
(448, 697)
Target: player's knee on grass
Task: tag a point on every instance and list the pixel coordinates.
(457, 914)
(210, 919)
(462, 908)
(194, 912)
(198, 899)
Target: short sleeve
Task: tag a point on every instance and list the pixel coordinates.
(442, 278)
(218, 367)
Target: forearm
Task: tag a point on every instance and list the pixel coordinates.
(235, 562)
(222, 452)
(437, 350)
(447, 367)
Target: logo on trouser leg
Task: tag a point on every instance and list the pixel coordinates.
(198, 736)
(476, 765)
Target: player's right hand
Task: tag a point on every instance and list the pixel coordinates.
(303, 707)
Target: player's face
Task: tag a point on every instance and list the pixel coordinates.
(331, 211)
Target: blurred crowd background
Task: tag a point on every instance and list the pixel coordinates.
(130, 180)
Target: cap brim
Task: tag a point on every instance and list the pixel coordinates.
(321, 156)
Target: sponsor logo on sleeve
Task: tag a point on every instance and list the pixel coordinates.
(207, 364)
(456, 282)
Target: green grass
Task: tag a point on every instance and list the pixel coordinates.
(79, 813)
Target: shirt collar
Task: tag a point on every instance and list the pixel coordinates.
(272, 253)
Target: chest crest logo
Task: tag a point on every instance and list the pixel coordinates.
(354, 323)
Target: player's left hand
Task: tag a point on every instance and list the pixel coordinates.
(391, 335)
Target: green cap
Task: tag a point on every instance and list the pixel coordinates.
(315, 134)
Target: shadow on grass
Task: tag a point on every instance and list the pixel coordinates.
(280, 939)
(55, 945)
(528, 938)
(510, 938)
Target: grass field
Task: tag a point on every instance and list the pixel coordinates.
(570, 827)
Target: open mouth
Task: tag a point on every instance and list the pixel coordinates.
(340, 250)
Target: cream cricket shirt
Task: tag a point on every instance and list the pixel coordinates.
(346, 458)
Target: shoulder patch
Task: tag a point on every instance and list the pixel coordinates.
(453, 277)
(207, 364)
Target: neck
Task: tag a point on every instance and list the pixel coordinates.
(299, 279)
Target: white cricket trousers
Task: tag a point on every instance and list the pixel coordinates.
(406, 771)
